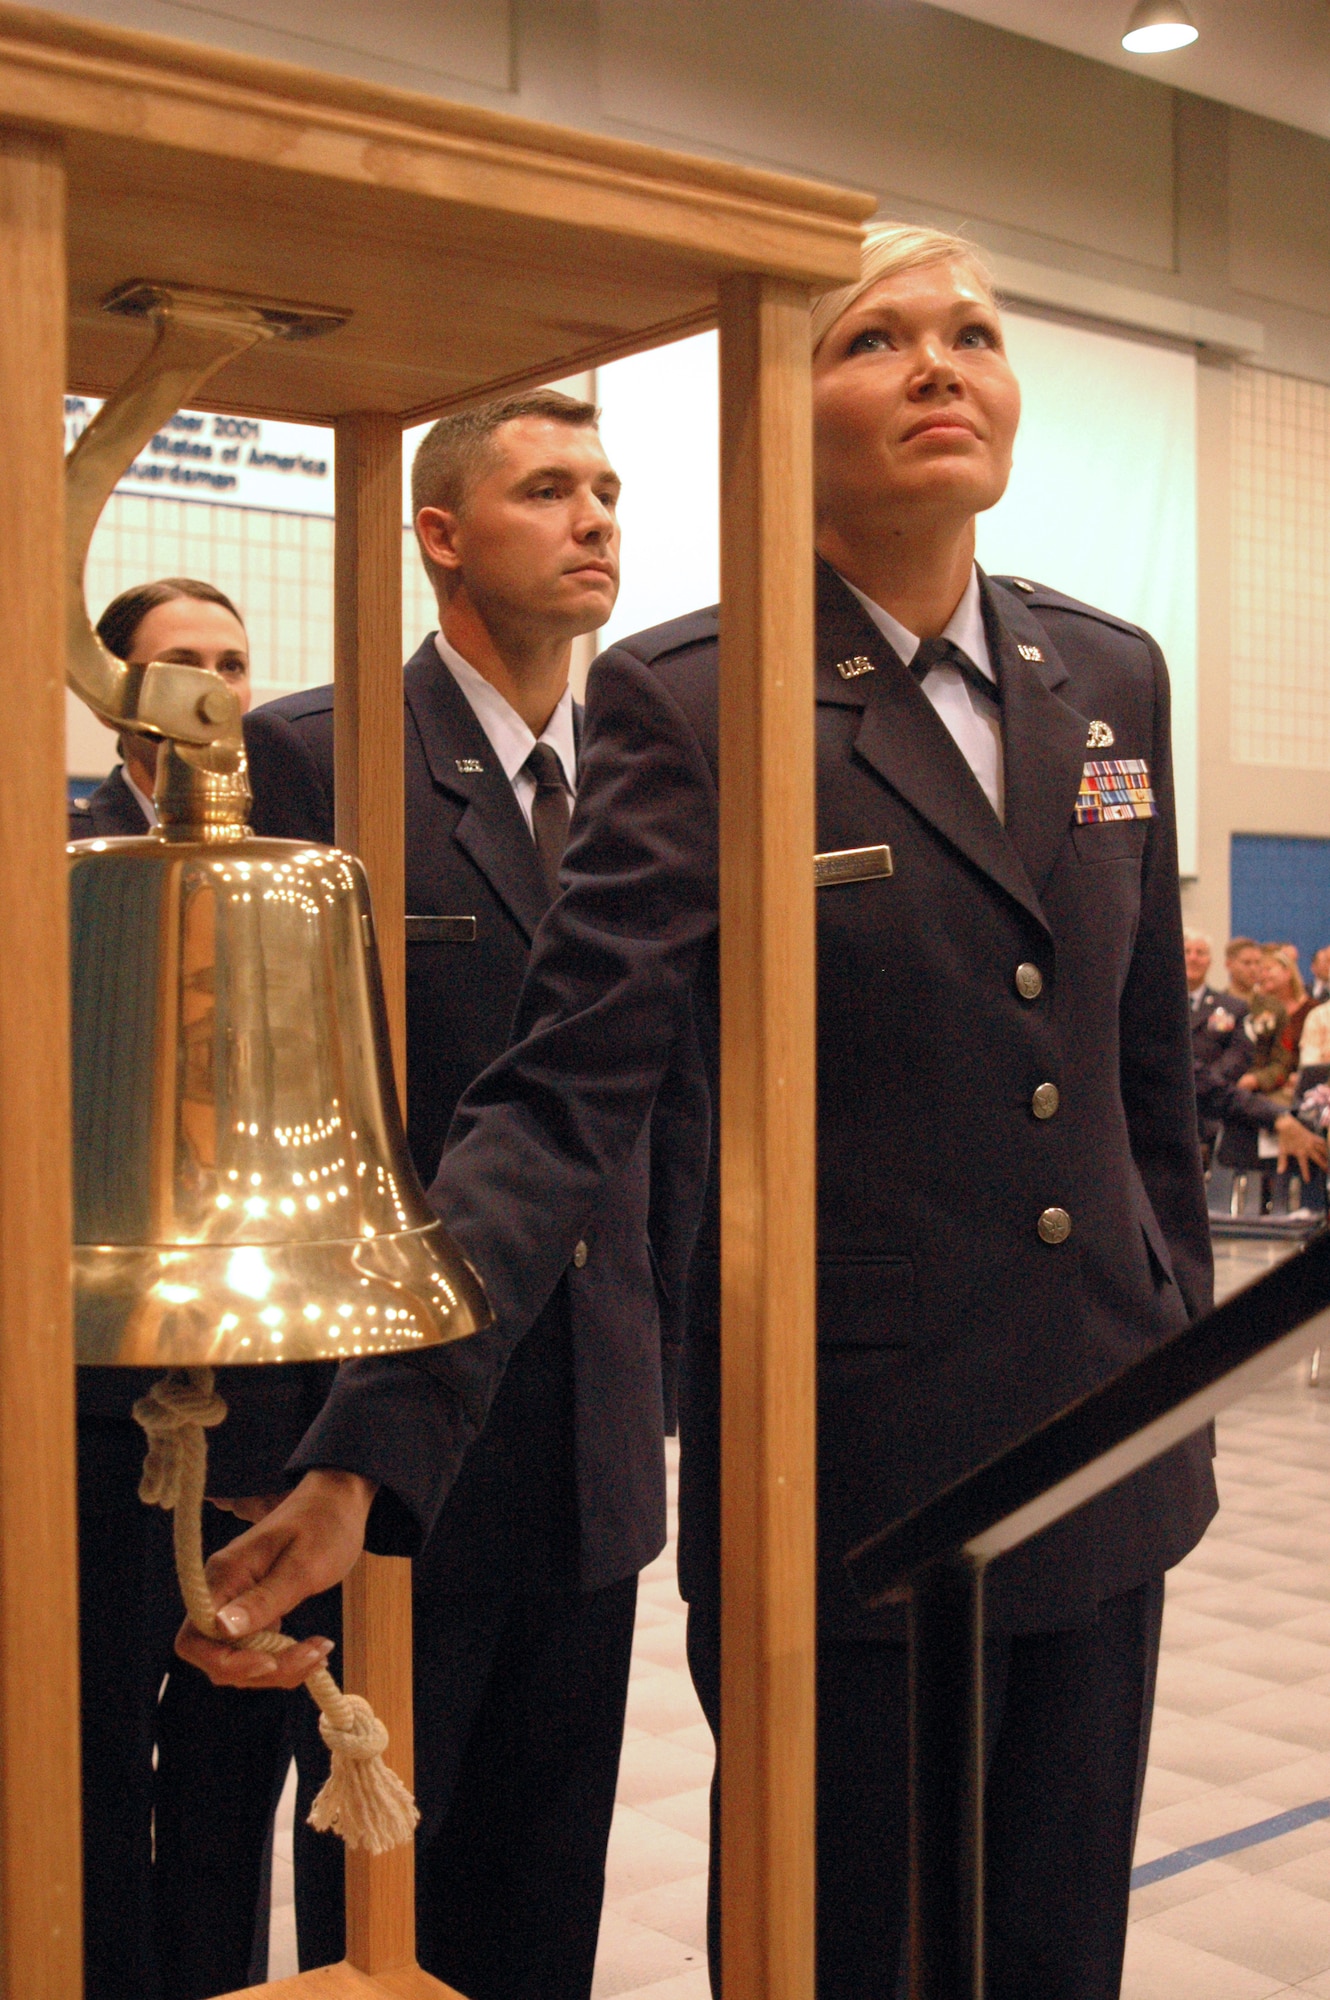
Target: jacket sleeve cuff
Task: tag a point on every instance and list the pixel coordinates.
(400, 1426)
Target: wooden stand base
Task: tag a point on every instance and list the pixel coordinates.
(346, 1982)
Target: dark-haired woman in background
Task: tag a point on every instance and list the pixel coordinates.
(193, 624)
(188, 1920)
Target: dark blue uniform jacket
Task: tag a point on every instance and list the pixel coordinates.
(567, 1483)
(947, 1327)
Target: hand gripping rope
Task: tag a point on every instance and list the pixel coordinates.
(363, 1800)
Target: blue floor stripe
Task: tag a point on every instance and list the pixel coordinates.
(1228, 1843)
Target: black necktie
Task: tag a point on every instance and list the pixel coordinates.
(945, 653)
(550, 811)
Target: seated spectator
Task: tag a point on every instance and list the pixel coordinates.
(1266, 1070)
(1320, 986)
(1215, 1019)
(1266, 1064)
(1311, 1104)
(1314, 1047)
(1280, 981)
(1242, 962)
(1249, 1111)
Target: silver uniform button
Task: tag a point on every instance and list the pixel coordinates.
(1054, 1225)
(579, 1256)
(1029, 981)
(1045, 1100)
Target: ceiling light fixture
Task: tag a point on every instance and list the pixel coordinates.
(1157, 26)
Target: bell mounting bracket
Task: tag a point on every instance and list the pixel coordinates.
(197, 333)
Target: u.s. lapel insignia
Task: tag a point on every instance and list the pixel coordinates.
(1100, 737)
(850, 670)
(468, 765)
(1030, 652)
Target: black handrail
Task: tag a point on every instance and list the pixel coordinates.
(1122, 1425)
(936, 1558)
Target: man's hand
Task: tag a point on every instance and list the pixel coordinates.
(1298, 1142)
(308, 1542)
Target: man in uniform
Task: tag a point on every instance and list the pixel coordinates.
(997, 758)
(524, 1596)
(1215, 1019)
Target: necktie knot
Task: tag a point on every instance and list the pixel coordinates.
(544, 765)
(551, 810)
(946, 653)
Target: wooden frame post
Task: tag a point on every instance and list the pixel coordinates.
(41, 1917)
(768, 1141)
(367, 620)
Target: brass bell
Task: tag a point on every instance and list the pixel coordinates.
(243, 1189)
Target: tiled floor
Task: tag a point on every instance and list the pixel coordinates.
(1242, 1733)
(1242, 1721)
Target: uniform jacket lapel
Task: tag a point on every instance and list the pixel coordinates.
(491, 829)
(903, 739)
(1043, 737)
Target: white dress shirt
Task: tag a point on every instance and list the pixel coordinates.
(972, 722)
(146, 804)
(510, 738)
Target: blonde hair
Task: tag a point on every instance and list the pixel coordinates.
(1286, 955)
(890, 247)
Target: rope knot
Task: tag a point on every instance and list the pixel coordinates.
(357, 1734)
(183, 1398)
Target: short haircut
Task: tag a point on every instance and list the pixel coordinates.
(454, 452)
(1235, 945)
(124, 614)
(890, 247)
(1196, 937)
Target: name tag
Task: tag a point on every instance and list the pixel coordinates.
(1115, 788)
(440, 930)
(851, 864)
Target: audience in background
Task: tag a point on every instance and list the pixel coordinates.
(1276, 1057)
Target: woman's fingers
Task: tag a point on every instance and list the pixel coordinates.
(233, 1666)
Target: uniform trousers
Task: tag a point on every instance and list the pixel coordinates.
(519, 1702)
(1067, 1718)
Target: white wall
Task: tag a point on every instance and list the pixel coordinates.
(1102, 500)
(660, 425)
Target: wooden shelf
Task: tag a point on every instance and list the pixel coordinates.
(473, 250)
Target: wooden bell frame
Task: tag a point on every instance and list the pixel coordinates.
(478, 253)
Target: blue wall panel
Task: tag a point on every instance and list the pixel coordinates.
(1281, 889)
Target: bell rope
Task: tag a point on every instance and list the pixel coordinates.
(364, 1800)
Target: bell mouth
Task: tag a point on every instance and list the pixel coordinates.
(214, 1305)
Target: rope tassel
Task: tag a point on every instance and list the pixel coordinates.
(363, 1801)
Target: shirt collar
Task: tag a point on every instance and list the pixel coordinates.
(965, 627)
(146, 805)
(510, 738)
